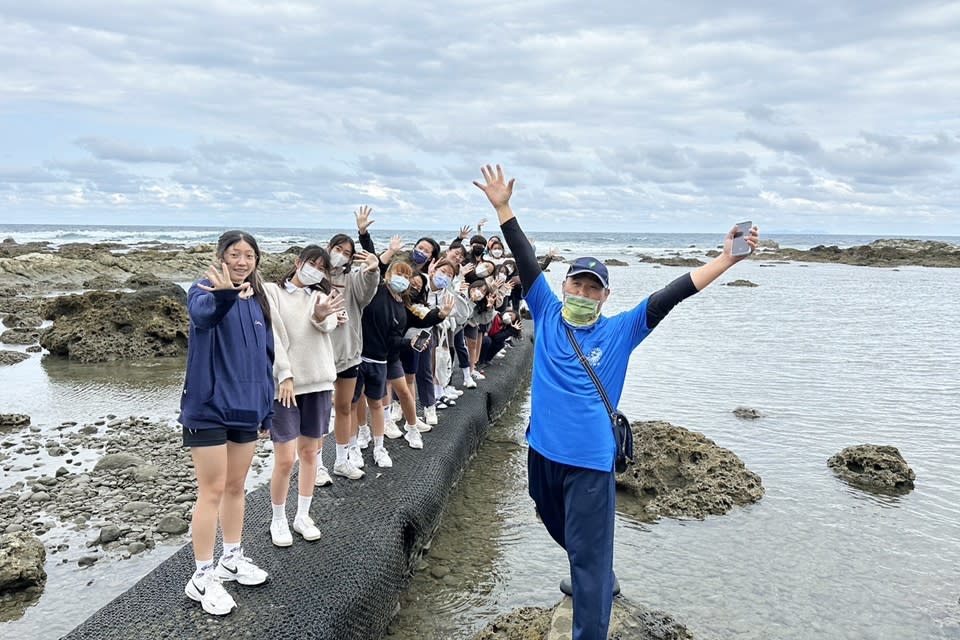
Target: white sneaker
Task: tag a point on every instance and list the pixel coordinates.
(392, 431)
(500, 354)
(238, 567)
(304, 526)
(347, 470)
(396, 412)
(412, 436)
(323, 477)
(382, 458)
(355, 457)
(430, 415)
(452, 392)
(469, 383)
(280, 533)
(211, 595)
(422, 426)
(363, 436)
(477, 375)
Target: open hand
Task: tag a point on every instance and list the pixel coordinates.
(396, 244)
(286, 395)
(371, 260)
(326, 305)
(497, 190)
(363, 218)
(220, 279)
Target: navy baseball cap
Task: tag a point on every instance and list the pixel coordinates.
(592, 266)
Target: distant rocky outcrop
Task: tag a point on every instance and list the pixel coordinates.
(671, 261)
(683, 474)
(740, 282)
(747, 413)
(880, 253)
(103, 326)
(613, 262)
(878, 468)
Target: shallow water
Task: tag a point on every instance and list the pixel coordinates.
(832, 355)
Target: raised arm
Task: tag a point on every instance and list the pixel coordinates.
(363, 224)
(498, 192)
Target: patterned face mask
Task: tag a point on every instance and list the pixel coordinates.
(580, 311)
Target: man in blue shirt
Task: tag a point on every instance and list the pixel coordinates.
(570, 463)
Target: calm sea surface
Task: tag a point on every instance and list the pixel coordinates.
(832, 355)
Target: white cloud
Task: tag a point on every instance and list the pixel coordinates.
(826, 115)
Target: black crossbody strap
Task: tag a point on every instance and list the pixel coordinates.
(593, 374)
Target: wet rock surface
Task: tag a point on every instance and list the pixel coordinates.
(8, 420)
(103, 326)
(21, 561)
(740, 282)
(123, 485)
(629, 620)
(876, 468)
(672, 261)
(747, 413)
(8, 357)
(680, 473)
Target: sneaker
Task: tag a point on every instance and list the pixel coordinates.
(280, 533)
(500, 354)
(363, 436)
(392, 431)
(430, 415)
(323, 477)
(452, 392)
(441, 404)
(304, 526)
(238, 567)
(478, 375)
(422, 426)
(347, 470)
(355, 457)
(382, 458)
(412, 436)
(211, 595)
(396, 412)
(469, 383)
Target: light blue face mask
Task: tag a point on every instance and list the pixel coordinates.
(398, 283)
(441, 280)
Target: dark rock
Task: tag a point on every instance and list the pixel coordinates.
(674, 261)
(115, 461)
(104, 326)
(873, 467)
(22, 321)
(109, 533)
(101, 282)
(22, 556)
(742, 283)
(747, 413)
(528, 623)
(8, 357)
(20, 336)
(173, 525)
(880, 253)
(14, 420)
(680, 473)
(613, 262)
(87, 561)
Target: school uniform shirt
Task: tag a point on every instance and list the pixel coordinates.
(358, 288)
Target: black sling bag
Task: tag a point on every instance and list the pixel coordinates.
(621, 425)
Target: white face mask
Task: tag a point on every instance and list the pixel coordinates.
(496, 253)
(309, 275)
(483, 271)
(337, 259)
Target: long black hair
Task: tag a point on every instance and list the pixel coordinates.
(339, 239)
(230, 238)
(311, 253)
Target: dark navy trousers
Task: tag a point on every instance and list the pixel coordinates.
(578, 506)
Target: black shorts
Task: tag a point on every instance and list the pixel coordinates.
(372, 381)
(217, 436)
(348, 373)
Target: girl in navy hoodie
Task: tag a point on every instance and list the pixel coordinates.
(227, 397)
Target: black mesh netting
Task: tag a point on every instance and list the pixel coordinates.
(347, 584)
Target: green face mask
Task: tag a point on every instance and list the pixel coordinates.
(580, 311)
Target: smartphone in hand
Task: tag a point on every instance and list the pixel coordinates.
(420, 342)
(740, 246)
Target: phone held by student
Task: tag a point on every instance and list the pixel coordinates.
(740, 246)
(420, 342)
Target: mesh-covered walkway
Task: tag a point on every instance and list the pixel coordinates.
(346, 585)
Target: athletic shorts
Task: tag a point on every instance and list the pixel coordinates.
(394, 370)
(470, 332)
(349, 372)
(309, 418)
(217, 436)
(371, 381)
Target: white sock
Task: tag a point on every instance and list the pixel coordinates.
(279, 512)
(361, 427)
(341, 453)
(303, 506)
(353, 441)
(410, 427)
(202, 567)
(377, 441)
(466, 372)
(230, 548)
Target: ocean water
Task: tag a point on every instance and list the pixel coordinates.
(832, 355)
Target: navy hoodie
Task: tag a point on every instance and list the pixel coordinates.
(229, 377)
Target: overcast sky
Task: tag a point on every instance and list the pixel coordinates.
(838, 117)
